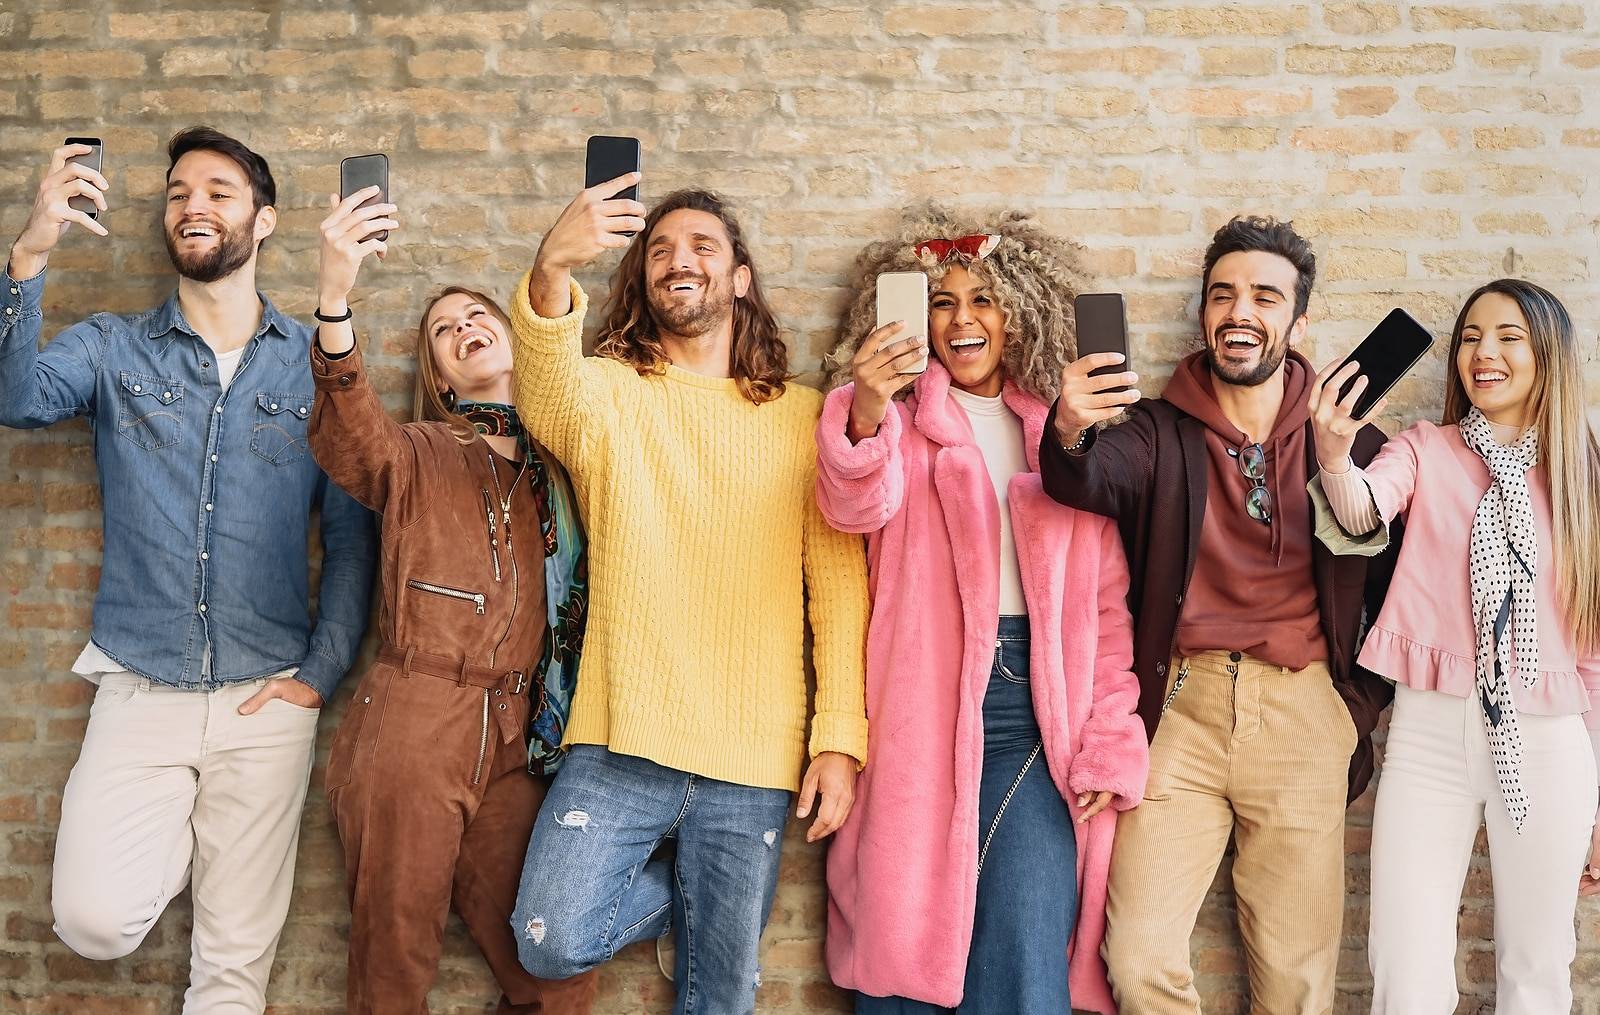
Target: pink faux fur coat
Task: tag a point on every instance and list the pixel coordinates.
(902, 872)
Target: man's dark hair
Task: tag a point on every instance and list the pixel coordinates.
(209, 139)
(1245, 233)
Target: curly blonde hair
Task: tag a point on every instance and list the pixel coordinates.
(1033, 275)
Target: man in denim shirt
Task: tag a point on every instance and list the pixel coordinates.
(210, 671)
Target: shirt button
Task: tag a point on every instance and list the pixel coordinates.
(1161, 669)
(202, 607)
(167, 395)
(274, 406)
(213, 458)
(137, 389)
(219, 409)
(302, 410)
(204, 555)
(208, 507)
(10, 311)
(15, 291)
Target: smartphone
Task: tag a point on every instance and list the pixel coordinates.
(93, 161)
(361, 171)
(903, 296)
(609, 158)
(1386, 355)
(1103, 327)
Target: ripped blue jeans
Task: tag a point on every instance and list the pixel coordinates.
(590, 888)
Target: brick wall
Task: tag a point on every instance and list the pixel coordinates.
(1425, 147)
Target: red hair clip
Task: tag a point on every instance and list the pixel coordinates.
(969, 248)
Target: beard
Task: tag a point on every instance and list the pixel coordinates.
(1272, 355)
(691, 320)
(234, 248)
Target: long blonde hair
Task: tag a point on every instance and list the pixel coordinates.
(1033, 274)
(1567, 445)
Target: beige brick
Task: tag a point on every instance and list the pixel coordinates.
(1585, 137)
(480, 26)
(1532, 17)
(1583, 59)
(446, 63)
(1238, 139)
(1376, 182)
(1096, 102)
(836, 21)
(303, 27)
(1237, 61)
(1439, 223)
(583, 24)
(1092, 20)
(964, 22)
(1361, 18)
(1492, 99)
(966, 182)
(807, 63)
(1103, 140)
(71, 63)
(1369, 100)
(712, 23)
(196, 61)
(189, 25)
(1000, 101)
(1341, 264)
(1227, 20)
(1527, 223)
(1353, 140)
(709, 63)
(1507, 58)
(1139, 60)
(190, 102)
(1234, 102)
(73, 25)
(1423, 58)
(1506, 138)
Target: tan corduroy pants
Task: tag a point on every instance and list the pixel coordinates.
(1255, 751)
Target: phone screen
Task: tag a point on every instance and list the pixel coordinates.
(609, 158)
(93, 161)
(361, 171)
(903, 296)
(1385, 355)
(1103, 327)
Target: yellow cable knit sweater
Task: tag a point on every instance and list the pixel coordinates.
(704, 541)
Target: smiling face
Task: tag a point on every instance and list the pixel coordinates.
(471, 349)
(1495, 359)
(967, 331)
(1247, 315)
(211, 224)
(690, 276)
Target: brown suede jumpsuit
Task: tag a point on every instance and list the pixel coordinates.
(427, 777)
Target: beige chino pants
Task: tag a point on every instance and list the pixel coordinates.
(1260, 753)
(174, 786)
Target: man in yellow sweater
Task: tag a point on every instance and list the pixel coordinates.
(694, 461)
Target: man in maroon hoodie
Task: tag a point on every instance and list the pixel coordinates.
(1245, 635)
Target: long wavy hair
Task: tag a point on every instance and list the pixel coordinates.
(759, 360)
(1567, 445)
(427, 403)
(1033, 274)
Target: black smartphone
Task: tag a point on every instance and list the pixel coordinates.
(1103, 327)
(93, 161)
(1385, 355)
(609, 158)
(361, 171)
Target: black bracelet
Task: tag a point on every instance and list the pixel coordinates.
(318, 314)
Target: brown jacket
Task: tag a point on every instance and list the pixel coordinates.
(457, 585)
(1149, 474)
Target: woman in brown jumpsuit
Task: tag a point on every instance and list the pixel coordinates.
(429, 776)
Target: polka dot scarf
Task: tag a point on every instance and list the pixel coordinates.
(1504, 552)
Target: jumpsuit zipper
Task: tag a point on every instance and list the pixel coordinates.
(475, 598)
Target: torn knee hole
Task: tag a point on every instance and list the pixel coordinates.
(574, 819)
(535, 930)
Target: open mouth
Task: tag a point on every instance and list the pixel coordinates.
(474, 341)
(968, 346)
(198, 232)
(683, 285)
(1240, 340)
(1488, 378)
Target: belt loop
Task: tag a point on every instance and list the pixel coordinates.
(461, 673)
(144, 684)
(520, 679)
(405, 665)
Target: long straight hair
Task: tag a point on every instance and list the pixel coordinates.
(1567, 445)
(758, 362)
(428, 403)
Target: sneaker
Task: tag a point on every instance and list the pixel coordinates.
(667, 954)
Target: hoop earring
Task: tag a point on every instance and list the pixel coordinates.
(448, 397)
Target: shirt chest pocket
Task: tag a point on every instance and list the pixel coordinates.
(149, 410)
(279, 434)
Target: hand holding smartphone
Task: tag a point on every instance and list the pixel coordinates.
(608, 158)
(1103, 327)
(903, 296)
(1383, 357)
(361, 171)
(93, 161)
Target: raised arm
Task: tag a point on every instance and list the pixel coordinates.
(40, 388)
(559, 397)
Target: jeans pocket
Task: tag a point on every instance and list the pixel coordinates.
(149, 410)
(279, 432)
(1011, 661)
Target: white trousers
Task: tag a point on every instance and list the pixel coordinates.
(1436, 789)
(172, 783)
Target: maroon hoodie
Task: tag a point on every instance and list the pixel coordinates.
(1253, 590)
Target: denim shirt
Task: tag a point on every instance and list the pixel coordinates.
(207, 494)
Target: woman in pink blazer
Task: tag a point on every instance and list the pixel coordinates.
(971, 874)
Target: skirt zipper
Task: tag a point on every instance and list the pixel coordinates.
(475, 598)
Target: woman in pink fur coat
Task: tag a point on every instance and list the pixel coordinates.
(970, 876)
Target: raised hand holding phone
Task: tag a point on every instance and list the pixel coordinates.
(53, 213)
(352, 230)
(1333, 422)
(882, 365)
(597, 220)
(1093, 390)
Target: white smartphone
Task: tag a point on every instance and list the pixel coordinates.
(903, 296)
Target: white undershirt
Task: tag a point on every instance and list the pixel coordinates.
(228, 365)
(998, 433)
